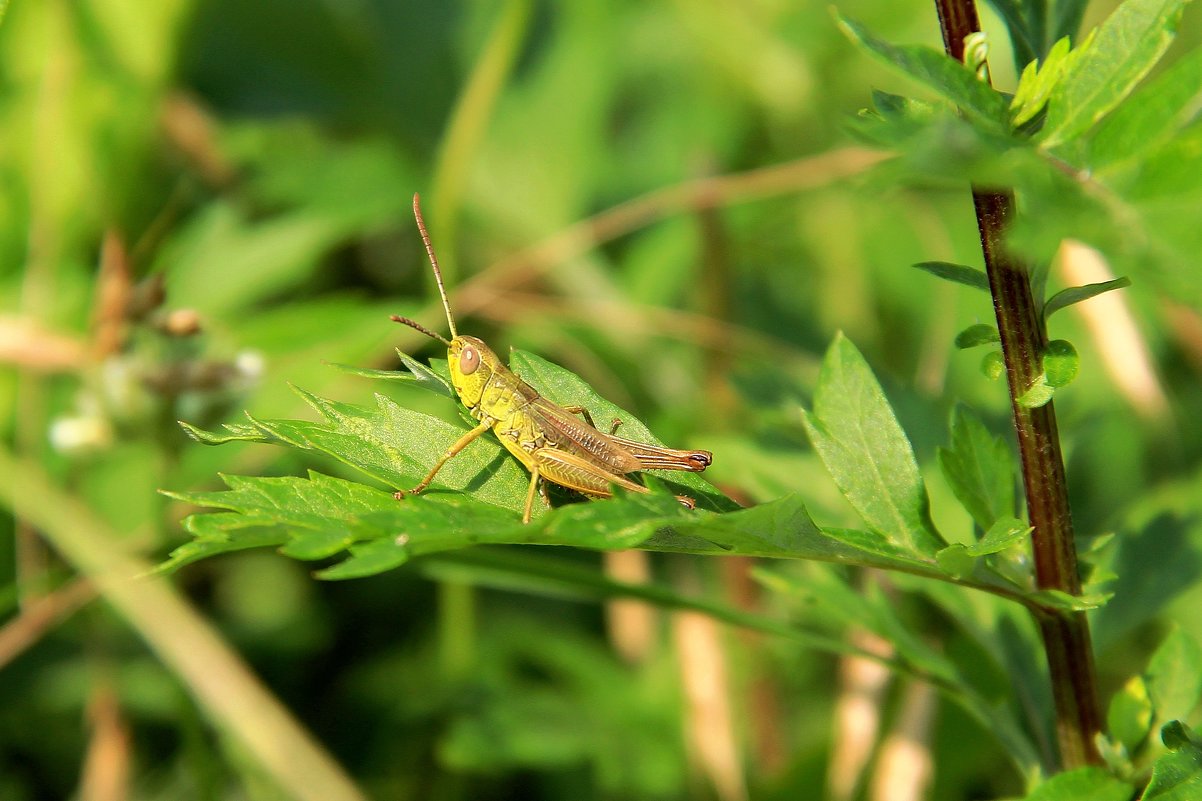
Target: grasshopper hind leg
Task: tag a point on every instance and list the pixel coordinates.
(572, 471)
(534, 476)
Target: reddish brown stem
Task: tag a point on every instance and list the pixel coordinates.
(1065, 635)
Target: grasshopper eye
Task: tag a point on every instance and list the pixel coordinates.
(469, 360)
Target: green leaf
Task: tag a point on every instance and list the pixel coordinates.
(1060, 363)
(956, 561)
(1154, 114)
(1001, 535)
(1082, 784)
(978, 334)
(1174, 676)
(962, 560)
(417, 373)
(1076, 294)
(1062, 601)
(1129, 718)
(436, 377)
(1026, 40)
(369, 372)
(828, 597)
(397, 446)
(1033, 26)
(1107, 68)
(234, 432)
(934, 69)
(1038, 394)
(1177, 776)
(956, 273)
(784, 528)
(979, 468)
(892, 120)
(540, 573)
(993, 365)
(1037, 82)
(855, 433)
(320, 517)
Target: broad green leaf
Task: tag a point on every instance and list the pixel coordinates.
(855, 433)
(934, 69)
(1154, 114)
(321, 514)
(321, 517)
(1174, 676)
(1060, 363)
(1129, 718)
(394, 445)
(956, 273)
(979, 334)
(1177, 776)
(1037, 82)
(980, 469)
(1107, 68)
(398, 446)
(1076, 294)
(1082, 784)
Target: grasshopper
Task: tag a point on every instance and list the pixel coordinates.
(551, 441)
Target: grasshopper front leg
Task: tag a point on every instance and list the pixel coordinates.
(459, 445)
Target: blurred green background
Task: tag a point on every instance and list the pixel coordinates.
(206, 201)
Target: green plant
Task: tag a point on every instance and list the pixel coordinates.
(946, 554)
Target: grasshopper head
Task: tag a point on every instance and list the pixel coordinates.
(472, 363)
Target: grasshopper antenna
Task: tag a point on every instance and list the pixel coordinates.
(396, 318)
(421, 226)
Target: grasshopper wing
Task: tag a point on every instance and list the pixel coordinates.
(657, 457)
(565, 430)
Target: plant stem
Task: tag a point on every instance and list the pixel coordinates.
(274, 743)
(1065, 635)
